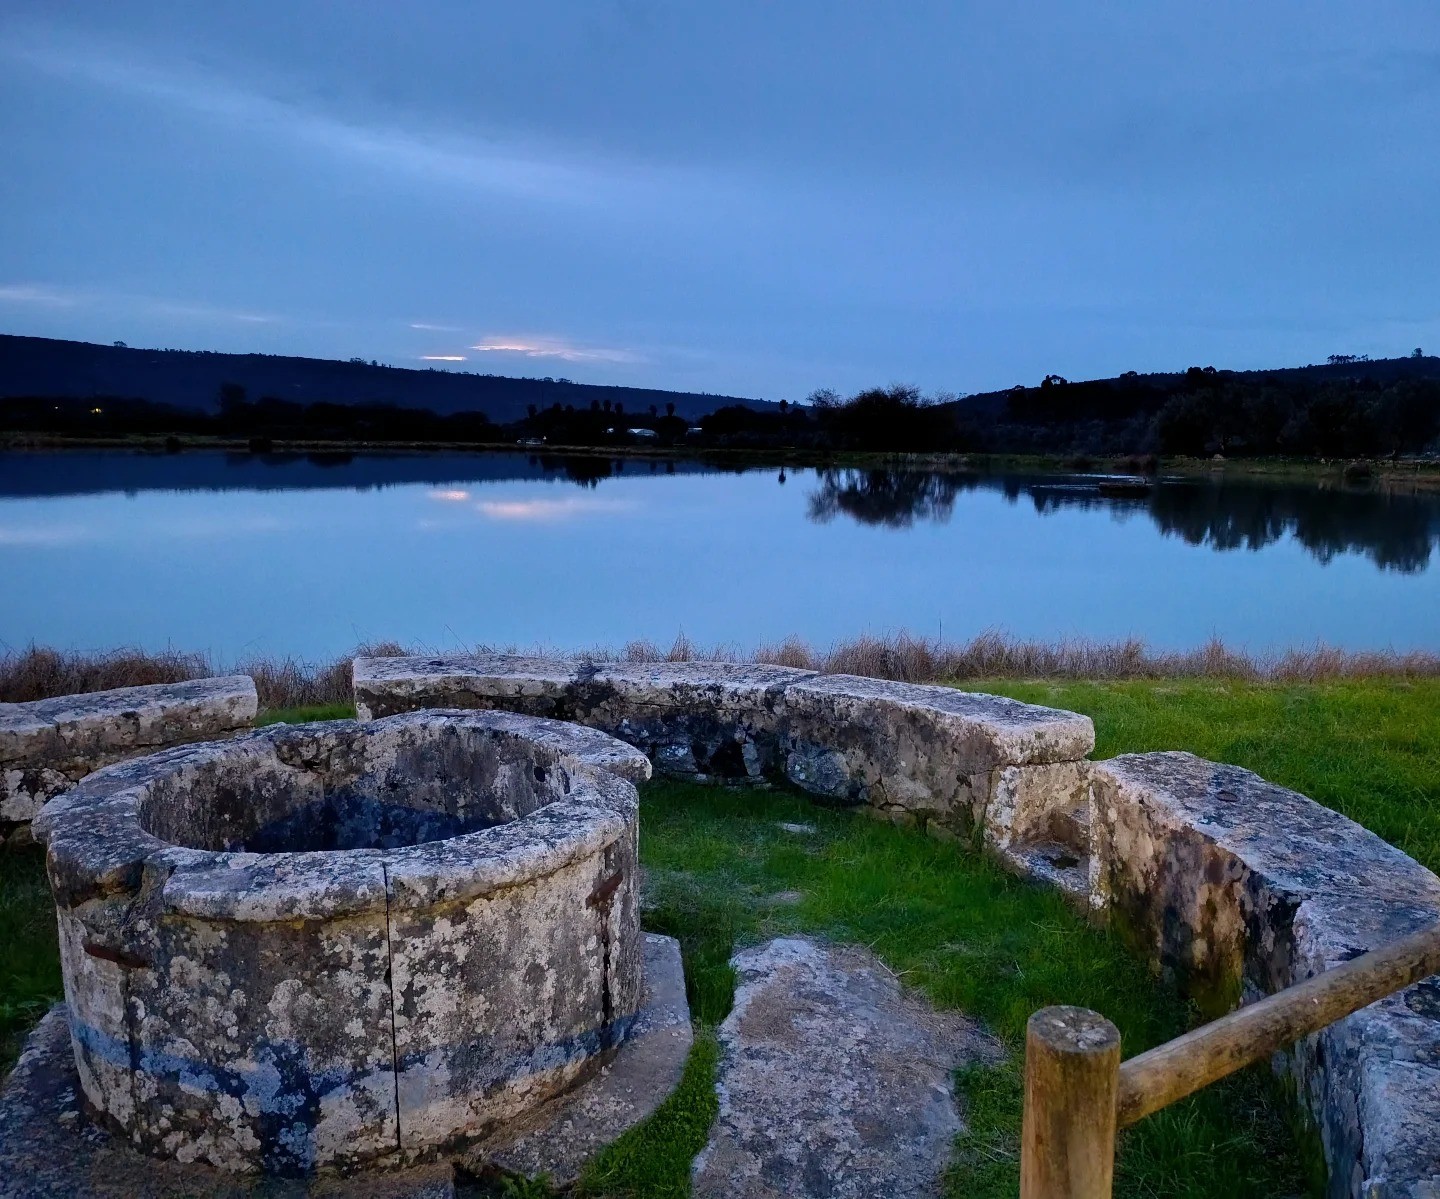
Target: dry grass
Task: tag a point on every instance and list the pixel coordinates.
(37, 673)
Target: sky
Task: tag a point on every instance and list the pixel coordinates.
(752, 198)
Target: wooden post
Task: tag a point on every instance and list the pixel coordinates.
(1072, 1069)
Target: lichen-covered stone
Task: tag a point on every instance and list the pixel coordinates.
(343, 944)
(49, 745)
(925, 755)
(835, 1083)
(1238, 888)
(556, 1140)
(931, 754)
(51, 1148)
(700, 720)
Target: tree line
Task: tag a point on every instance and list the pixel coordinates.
(1349, 407)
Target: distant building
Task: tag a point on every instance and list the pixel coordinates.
(648, 434)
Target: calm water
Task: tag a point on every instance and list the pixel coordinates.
(240, 554)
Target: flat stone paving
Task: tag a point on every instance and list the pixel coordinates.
(835, 1082)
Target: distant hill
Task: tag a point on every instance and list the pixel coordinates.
(1343, 407)
(191, 380)
(1372, 370)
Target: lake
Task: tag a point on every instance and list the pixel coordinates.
(239, 554)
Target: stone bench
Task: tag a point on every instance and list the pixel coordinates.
(49, 745)
(1238, 888)
(949, 761)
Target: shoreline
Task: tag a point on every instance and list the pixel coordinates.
(1423, 472)
(39, 672)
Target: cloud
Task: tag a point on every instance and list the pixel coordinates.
(429, 328)
(545, 347)
(29, 293)
(70, 297)
(527, 169)
(442, 357)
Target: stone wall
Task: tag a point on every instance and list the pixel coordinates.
(949, 761)
(1232, 886)
(1238, 888)
(49, 745)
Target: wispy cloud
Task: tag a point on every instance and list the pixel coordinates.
(30, 293)
(553, 348)
(442, 357)
(70, 297)
(525, 168)
(429, 328)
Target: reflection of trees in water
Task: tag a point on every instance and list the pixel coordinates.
(896, 498)
(577, 468)
(1396, 532)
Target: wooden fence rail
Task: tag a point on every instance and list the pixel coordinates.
(1078, 1093)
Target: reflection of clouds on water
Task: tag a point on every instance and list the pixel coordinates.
(551, 510)
(1397, 532)
(37, 536)
(181, 528)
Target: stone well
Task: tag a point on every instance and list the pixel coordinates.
(345, 945)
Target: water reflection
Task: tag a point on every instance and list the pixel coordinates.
(1396, 529)
(294, 554)
(893, 498)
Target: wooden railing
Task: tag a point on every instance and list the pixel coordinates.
(1078, 1093)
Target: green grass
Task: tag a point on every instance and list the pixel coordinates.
(970, 936)
(29, 955)
(304, 715)
(954, 925)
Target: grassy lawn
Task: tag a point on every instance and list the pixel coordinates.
(964, 932)
(954, 925)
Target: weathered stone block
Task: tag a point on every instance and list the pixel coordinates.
(937, 754)
(1239, 888)
(49, 745)
(701, 720)
(51, 1147)
(930, 755)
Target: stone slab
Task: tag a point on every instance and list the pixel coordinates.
(945, 759)
(835, 1082)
